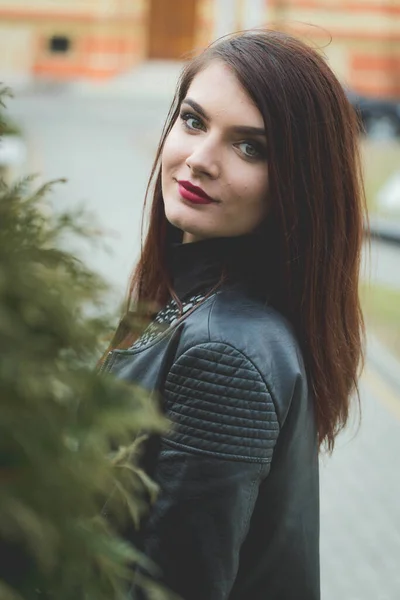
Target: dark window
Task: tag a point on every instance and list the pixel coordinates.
(59, 44)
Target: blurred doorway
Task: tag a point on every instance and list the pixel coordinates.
(171, 28)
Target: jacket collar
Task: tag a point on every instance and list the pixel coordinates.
(198, 267)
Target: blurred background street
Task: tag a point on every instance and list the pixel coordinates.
(101, 132)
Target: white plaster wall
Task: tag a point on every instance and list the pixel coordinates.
(254, 13)
(225, 17)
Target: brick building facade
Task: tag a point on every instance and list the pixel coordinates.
(98, 39)
(365, 47)
(93, 39)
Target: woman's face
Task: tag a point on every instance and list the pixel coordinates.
(214, 166)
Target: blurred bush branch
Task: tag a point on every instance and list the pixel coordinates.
(59, 419)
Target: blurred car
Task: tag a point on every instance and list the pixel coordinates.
(379, 118)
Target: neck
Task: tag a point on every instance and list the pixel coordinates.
(197, 266)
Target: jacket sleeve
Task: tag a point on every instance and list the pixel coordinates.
(209, 469)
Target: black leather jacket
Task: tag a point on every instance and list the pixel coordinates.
(238, 513)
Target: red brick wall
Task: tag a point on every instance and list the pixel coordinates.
(365, 45)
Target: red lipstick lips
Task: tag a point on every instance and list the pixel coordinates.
(193, 194)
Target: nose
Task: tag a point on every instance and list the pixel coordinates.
(204, 159)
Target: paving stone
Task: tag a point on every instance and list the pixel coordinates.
(360, 508)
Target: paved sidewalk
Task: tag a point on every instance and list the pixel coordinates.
(153, 81)
(384, 362)
(360, 502)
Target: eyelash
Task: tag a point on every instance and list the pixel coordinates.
(185, 116)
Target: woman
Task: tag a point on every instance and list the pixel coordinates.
(253, 250)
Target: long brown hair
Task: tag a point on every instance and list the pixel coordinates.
(315, 224)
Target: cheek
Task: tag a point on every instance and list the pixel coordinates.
(251, 186)
(261, 191)
(173, 152)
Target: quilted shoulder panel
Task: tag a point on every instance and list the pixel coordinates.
(220, 405)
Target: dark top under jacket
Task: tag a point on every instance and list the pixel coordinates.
(238, 512)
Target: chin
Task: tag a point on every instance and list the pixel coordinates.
(193, 233)
(182, 219)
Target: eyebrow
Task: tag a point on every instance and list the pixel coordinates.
(242, 129)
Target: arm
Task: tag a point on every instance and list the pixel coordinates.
(209, 469)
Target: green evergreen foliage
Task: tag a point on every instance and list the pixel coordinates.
(59, 419)
(7, 126)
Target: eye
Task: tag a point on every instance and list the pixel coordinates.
(251, 150)
(192, 122)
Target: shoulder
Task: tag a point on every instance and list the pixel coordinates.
(239, 348)
(244, 321)
(236, 318)
(265, 338)
(220, 404)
